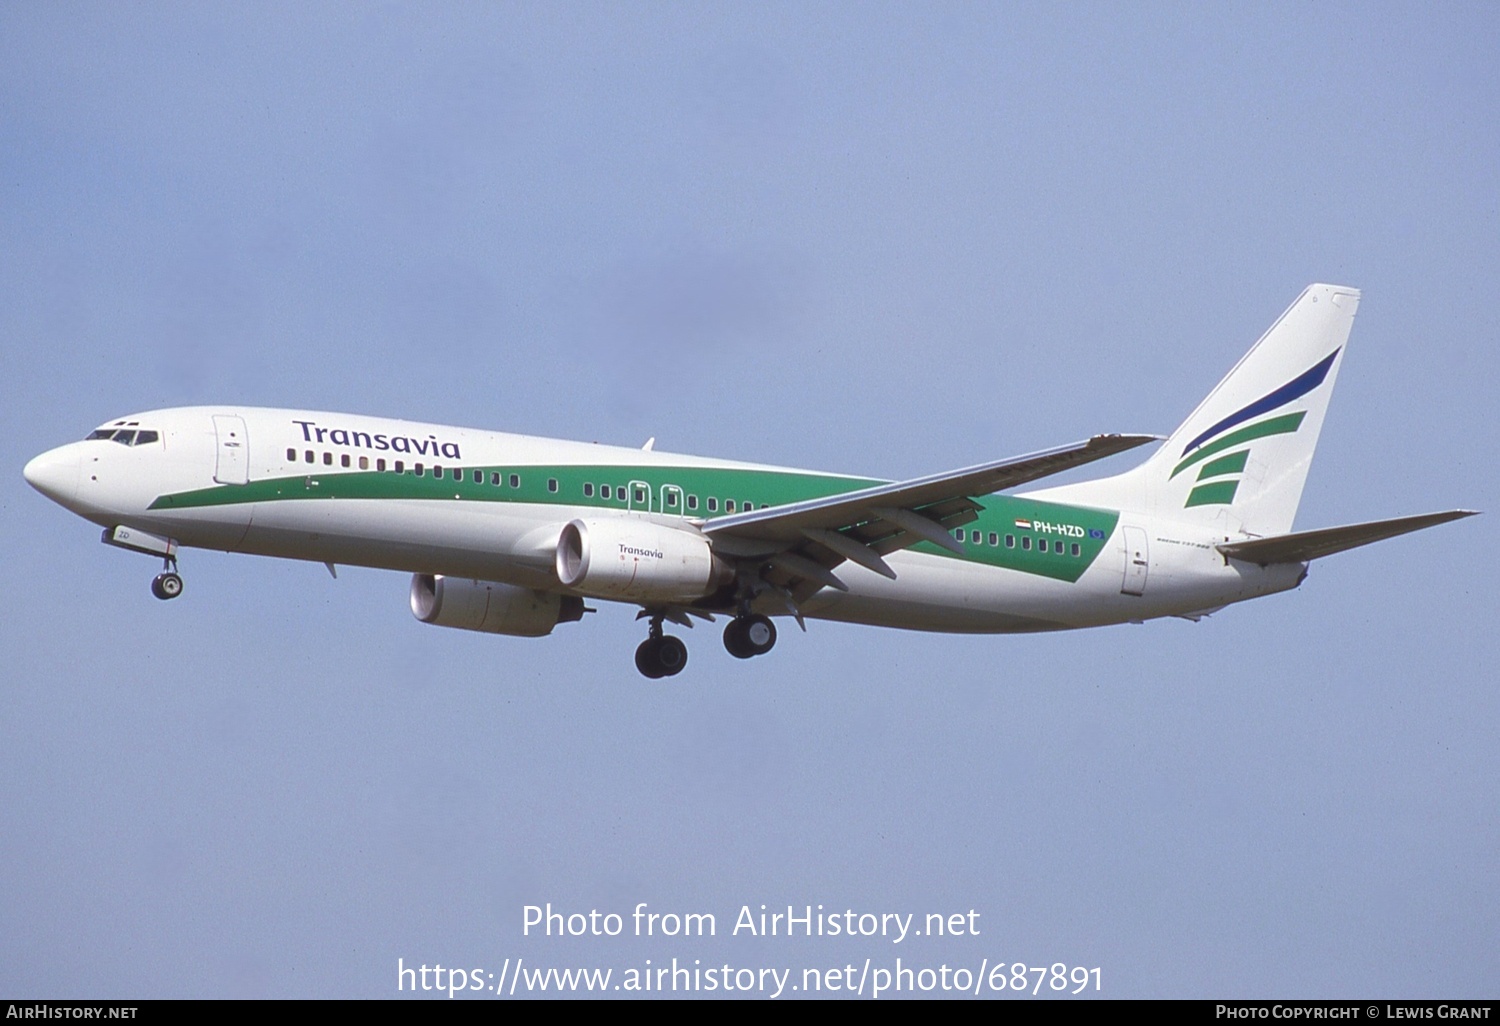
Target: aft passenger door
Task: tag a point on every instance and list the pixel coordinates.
(233, 463)
(1137, 562)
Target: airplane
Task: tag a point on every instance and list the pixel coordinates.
(509, 534)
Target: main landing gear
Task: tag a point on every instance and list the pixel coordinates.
(749, 635)
(660, 655)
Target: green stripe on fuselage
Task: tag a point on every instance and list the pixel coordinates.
(761, 487)
(668, 491)
(1052, 523)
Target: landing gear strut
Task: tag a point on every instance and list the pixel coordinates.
(749, 635)
(660, 655)
(168, 583)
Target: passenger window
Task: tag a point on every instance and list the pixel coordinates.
(605, 491)
(959, 534)
(672, 499)
(728, 505)
(588, 491)
(551, 484)
(1025, 543)
(640, 495)
(328, 459)
(417, 469)
(515, 480)
(400, 466)
(1075, 548)
(479, 477)
(380, 465)
(1010, 541)
(692, 502)
(994, 539)
(344, 460)
(364, 463)
(495, 477)
(713, 505)
(291, 454)
(309, 456)
(437, 472)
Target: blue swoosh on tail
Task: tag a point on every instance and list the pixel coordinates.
(1294, 389)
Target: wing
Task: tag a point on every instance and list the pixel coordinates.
(802, 542)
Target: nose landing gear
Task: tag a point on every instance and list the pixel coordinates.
(168, 583)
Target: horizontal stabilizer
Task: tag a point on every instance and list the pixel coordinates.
(1307, 545)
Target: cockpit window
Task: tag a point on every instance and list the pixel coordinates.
(125, 436)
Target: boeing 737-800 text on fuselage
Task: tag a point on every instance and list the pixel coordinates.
(511, 535)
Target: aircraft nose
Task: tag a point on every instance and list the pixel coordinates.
(55, 473)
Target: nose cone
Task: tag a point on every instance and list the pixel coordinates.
(55, 474)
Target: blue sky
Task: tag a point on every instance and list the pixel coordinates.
(876, 239)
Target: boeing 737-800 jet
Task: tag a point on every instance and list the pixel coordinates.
(511, 535)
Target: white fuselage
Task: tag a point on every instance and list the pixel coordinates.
(327, 487)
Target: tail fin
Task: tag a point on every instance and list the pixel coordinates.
(1241, 458)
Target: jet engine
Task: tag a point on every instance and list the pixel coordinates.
(490, 606)
(638, 561)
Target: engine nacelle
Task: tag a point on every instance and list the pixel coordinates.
(490, 606)
(638, 560)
